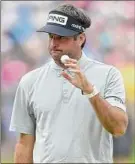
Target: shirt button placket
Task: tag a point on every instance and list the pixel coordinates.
(65, 92)
(58, 74)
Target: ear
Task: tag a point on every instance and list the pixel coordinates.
(82, 38)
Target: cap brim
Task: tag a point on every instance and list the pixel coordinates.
(58, 30)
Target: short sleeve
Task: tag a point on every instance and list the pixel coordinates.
(22, 120)
(114, 89)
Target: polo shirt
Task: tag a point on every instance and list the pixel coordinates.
(63, 120)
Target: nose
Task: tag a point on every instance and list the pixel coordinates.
(54, 43)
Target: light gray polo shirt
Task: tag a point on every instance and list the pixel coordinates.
(62, 119)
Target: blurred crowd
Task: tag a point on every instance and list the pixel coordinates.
(110, 39)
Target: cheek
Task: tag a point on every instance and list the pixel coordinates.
(79, 43)
(75, 46)
(74, 49)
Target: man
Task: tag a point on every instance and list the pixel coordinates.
(68, 112)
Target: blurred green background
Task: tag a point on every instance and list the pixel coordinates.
(110, 39)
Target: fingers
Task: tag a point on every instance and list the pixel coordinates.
(66, 76)
(71, 65)
(71, 61)
(75, 71)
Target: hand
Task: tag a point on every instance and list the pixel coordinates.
(79, 79)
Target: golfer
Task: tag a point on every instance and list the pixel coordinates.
(67, 111)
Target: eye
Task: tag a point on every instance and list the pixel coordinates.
(50, 35)
(62, 37)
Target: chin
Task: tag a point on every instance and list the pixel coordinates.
(58, 62)
(55, 54)
(55, 57)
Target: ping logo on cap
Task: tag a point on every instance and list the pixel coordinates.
(58, 19)
(76, 26)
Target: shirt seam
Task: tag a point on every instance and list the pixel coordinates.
(106, 80)
(20, 128)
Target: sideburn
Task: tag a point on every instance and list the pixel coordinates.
(75, 38)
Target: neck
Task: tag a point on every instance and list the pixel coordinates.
(79, 56)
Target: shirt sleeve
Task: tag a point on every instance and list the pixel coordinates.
(114, 89)
(22, 120)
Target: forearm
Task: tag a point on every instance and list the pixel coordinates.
(113, 119)
(23, 154)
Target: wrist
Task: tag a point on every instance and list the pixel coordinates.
(91, 92)
(88, 89)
